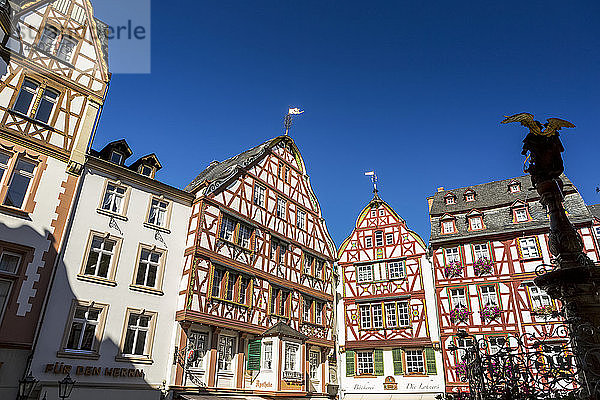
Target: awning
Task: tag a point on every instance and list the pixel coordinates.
(391, 396)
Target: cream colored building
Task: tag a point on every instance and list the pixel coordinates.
(110, 320)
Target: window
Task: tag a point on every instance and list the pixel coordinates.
(364, 273)
(82, 332)
(4, 294)
(597, 229)
(278, 251)
(19, 183)
(450, 200)
(521, 215)
(515, 188)
(368, 241)
(137, 335)
(308, 264)
(391, 318)
(396, 270)
(279, 302)
(259, 195)
(365, 363)
(114, 198)
(66, 44)
(470, 197)
(291, 357)
(381, 212)
(149, 269)
(218, 275)
(452, 255)
(236, 232)
(116, 157)
(46, 105)
(495, 343)
(529, 248)
(308, 306)
(373, 213)
(226, 348)
(301, 219)
(4, 160)
(319, 266)
(365, 317)
(481, 252)
(489, 297)
(198, 341)
(463, 345)
(458, 298)
(319, 312)
(415, 363)
(475, 223)
(281, 206)
(286, 173)
(268, 355)
(158, 212)
(146, 170)
(538, 297)
(66, 48)
(100, 257)
(27, 93)
(26, 104)
(231, 286)
(9, 263)
(377, 316)
(306, 316)
(389, 238)
(378, 238)
(403, 313)
(448, 226)
(48, 39)
(314, 362)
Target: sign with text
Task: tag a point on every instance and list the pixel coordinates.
(60, 368)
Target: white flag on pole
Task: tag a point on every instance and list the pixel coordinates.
(370, 173)
(295, 111)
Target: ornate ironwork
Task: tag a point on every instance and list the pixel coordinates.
(185, 357)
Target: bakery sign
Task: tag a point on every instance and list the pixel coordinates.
(60, 368)
(390, 383)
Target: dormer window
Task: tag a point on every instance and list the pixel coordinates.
(514, 187)
(116, 157)
(469, 196)
(475, 223)
(146, 170)
(448, 224)
(521, 215)
(450, 199)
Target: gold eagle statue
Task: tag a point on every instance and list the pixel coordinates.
(550, 128)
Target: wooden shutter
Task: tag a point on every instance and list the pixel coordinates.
(378, 361)
(398, 364)
(350, 370)
(430, 361)
(254, 355)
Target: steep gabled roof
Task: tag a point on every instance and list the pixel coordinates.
(595, 210)
(283, 329)
(150, 159)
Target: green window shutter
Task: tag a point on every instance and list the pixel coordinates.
(398, 364)
(350, 363)
(378, 361)
(430, 360)
(254, 355)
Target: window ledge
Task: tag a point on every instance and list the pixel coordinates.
(17, 212)
(96, 279)
(156, 227)
(144, 289)
(111, 214)
(416, 375)
(134, 359)
(32, 120)
(75, 354)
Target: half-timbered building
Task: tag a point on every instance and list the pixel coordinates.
(487, 242)
(387, 317)
(54, 78)
(256, 302)
(595, 211)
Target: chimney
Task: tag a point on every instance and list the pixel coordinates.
(430, 202)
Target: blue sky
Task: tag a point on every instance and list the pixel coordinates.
(413, 90)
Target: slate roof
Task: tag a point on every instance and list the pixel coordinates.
(218, 171)
(283, 329)
(595, 210)
(494, 201)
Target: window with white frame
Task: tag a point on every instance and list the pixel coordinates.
(116, 157)
(114, 198)
(226, 348)
(481, 251)
(539, 298)
(529, 247)
(137, 335)
(48, 39)
(281, 206)
(415, 362)
(26, 104)
(475, 223)
(9, 262)
(391, 316)
(368, 241)
(463, 344)
(319, 267)
(452, 255)
(378, 238)
(268, 355)
(198, 341)
(301, 219)
(100, 256)
(377, 314)
(259, 195)
(470, 197)
(307, 303)
(597, 229)
(278, 251)
(495, 343)
(515, 188)
(521, 215)
(82, 332)
(218, 275)
(364, 273)
(319, 306)
(450, 200)
(314, 362)
(291, 363)
(236, 232)
(458, 298)
(403, 313)
(148, 268)
(19, 183)
(365, 364)
(396, 269)
(227, 228)
(489, 297)
(448, 226)
(381, 212)
(27, 94)
(158, 212)
(373, 213)
(389, 238)
(365, 317)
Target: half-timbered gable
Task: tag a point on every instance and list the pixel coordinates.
(259, 254)
(485, 261)
(388, 308)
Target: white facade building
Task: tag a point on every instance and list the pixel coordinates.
(110, 320)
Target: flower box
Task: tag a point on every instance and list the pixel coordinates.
(453, 269)
(461, 369)
(490, 313)
(547, 310)
(460, 314)
(483, 266)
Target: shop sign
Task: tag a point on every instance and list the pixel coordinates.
(390, 383)
(60, 368)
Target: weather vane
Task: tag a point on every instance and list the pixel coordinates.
(287, 120)
(373, 176)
